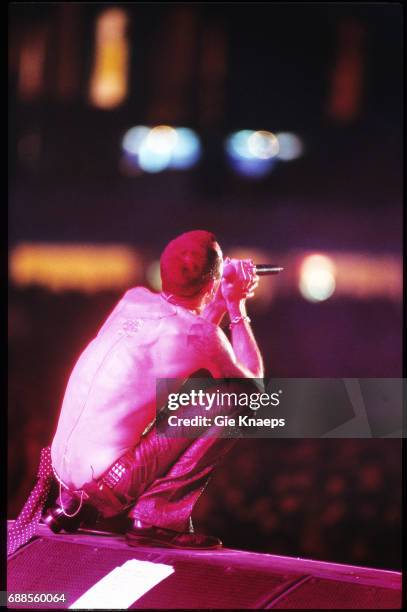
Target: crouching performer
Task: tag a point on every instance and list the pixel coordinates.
(106, 456)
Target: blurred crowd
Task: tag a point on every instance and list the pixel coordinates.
(335, 500)
(332, 499)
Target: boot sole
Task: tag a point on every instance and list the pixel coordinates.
(144, 541)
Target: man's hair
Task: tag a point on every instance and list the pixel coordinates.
(189, 262)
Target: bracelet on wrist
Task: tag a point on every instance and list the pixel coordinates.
(237, 320)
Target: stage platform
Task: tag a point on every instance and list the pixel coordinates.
(81, 566)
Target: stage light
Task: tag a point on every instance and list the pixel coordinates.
(83, 267)
(263, 145)
(133, 139)
(155, 151)
(317, 278)
(290, 146)
(159, 148)
(152, 162)
(251, 153)
(162, 140)
(108, 86)
(187, 149)
(237, 145)
(355, 277)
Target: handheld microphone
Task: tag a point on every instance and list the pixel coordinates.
(266, 269)
(260, 269)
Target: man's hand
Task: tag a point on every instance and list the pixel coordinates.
(239, 280)
(238, 283)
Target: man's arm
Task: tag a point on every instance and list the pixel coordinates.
(223, 361)
(238, 283)
(215, 353)
(216, 309)
(242, 359)
(244, 343)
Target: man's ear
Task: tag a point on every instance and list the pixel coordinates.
(209, 292)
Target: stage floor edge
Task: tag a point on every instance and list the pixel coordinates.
(296, 568)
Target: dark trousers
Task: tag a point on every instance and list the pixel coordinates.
(164, 475)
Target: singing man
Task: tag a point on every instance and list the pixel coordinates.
(106, 454)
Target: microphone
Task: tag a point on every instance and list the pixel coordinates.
(260, 269)
(266, 269)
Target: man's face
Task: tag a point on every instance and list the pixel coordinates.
(219, 251)
(213, 285)
(219, 278)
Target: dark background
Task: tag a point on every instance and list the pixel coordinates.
(257, 66)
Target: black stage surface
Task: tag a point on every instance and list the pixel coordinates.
(71, 564)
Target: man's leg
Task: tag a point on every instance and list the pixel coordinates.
(168, 502)
(169, 473)
(164, 475)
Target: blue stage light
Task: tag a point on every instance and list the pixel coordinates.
(160, 148)
(237, 145)
(251, 153)
(133, 139)
(187, 150)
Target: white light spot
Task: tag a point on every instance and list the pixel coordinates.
(263, 145)
(162, 140)
(290, 145)
(317, 278)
